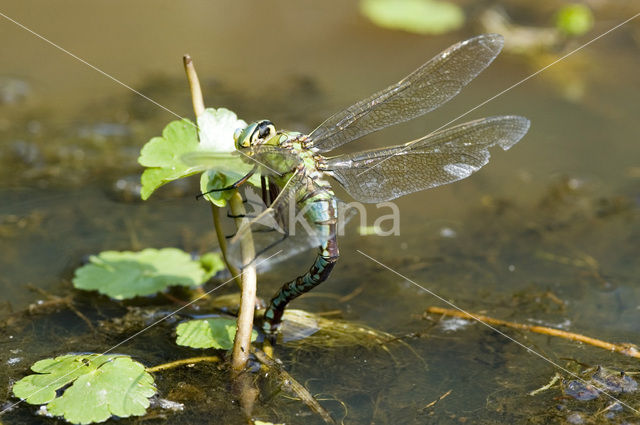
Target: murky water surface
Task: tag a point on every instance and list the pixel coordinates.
(547, 234)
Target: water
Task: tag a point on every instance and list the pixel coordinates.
(546, 234)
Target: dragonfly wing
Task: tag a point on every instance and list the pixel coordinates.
(270, 160)
(278, 232)
(428, 87)
(436, 159)
(224, 162)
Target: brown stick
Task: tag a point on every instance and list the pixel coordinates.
(627, 349)
(181, 362)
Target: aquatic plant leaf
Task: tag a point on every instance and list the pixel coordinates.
(416, 16)
(101, 386)
(212, 263)
(209, 333)
(574, 19)
(161, 156)
(127, 274)
(215, 129)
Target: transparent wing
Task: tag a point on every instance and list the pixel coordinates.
(224, 162)
(272, 229)
(436, 159)
(270, 160)
(428, 87)
(285, 228)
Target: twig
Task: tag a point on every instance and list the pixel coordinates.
(292, 385)
(182, 362)
(436, 401)
(551, 383)
(627, 349)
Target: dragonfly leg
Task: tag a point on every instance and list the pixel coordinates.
(233, 186)
(318, 273)
(240, 215)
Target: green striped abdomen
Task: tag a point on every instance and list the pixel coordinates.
(320, 210)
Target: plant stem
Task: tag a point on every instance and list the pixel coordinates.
(215, 212)
(181, 362)
(627, 349)
(198, 108)
(242, 342)
(194, 85)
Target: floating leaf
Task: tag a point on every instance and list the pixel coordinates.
(574, 19)
(101, 386)
(416, 16)
(127, 274)
(209, 333)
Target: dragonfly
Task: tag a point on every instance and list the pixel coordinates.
(294, 168)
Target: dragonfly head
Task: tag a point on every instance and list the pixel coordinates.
(255, 133)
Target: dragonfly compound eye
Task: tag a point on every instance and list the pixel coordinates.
(263, 131)
(236, 134)
(243, 137)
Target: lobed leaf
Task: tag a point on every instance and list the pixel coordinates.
(209, 333)
(126, 274)
(101, 386)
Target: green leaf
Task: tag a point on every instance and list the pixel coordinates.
(212, 263)
(101, 386)
(574, 19)
(416, 16)
(209, 333)
(171, 156)
(162, 156)
(216, 128)
(210, 180)
(127, 274)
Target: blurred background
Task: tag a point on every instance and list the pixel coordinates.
(557, 214)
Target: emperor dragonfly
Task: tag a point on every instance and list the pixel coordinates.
(293, 169)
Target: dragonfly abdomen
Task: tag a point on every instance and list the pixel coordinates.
(320, 209)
